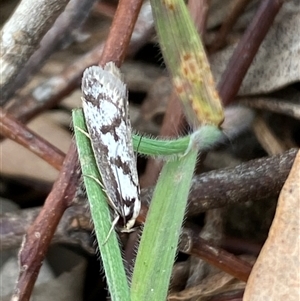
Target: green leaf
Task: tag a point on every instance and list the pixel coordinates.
(203, 139)
(108, 246)
(186, 59)
(158, 246)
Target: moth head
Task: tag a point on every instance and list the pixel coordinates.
(134, 210)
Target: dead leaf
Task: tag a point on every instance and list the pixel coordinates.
(277, 63)
(275, 275)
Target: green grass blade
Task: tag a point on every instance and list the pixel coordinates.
(187, 62)
(151, 146)
(158, 246)
(110, 251)
(203, 138)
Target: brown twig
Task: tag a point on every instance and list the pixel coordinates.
(74, 228)
(212, 231)
(191, 243)
(57, 87)
(254, 180)
(120, 32)
(42, 230)
(272, 144)
(246, 49)
(22, 34)
(16, 131)
(40, 233)
(264, 177)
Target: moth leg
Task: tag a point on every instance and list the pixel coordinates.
(110, 202)
(114, 223)
(95, 179)
(103, 188)
(83, 132)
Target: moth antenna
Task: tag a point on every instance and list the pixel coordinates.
(96, 180)
(83, 132)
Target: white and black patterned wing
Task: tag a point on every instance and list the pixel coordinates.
(105, 107)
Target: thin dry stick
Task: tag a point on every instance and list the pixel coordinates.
(39, 235)
(246, 50)
(42, 230)
(16, 131)
(74, 228)
(63, 84)
(192, 244)
(264, 177)
(120, 32)
(22, 34)
(272, 144)
(61, 33)
(57, 87)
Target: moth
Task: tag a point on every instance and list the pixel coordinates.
(105, 108)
